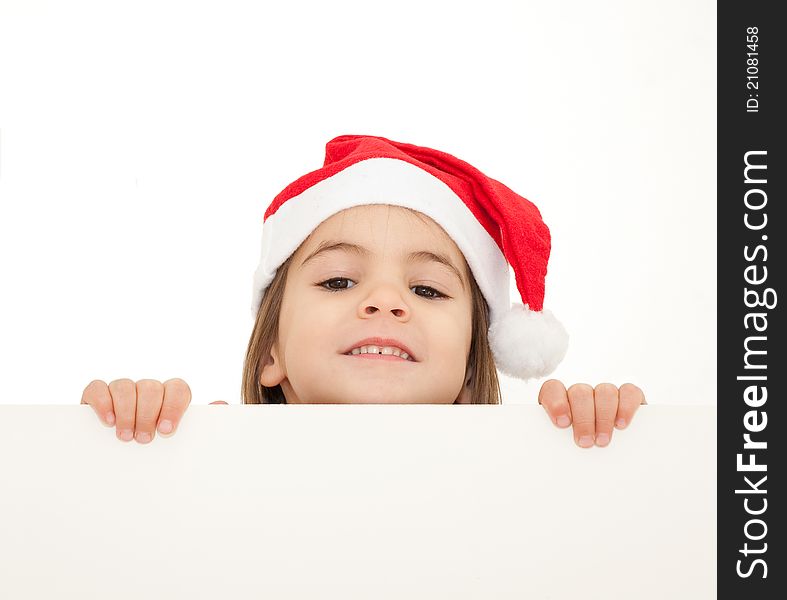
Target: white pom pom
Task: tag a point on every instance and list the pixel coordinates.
(527, 344)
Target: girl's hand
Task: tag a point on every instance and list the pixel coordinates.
(138, 409)
(594, 412)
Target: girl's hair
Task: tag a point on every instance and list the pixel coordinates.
(484, 385)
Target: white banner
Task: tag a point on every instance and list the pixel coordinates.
(357, 502)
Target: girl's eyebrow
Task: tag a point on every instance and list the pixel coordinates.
(417, 256)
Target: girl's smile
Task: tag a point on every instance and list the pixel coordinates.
(385, 357)
(382, 346)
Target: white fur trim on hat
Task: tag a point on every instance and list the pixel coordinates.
(527, 344)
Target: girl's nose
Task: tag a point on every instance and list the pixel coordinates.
(383, 300)
(398, 312)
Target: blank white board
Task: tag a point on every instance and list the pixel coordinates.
(357, 502)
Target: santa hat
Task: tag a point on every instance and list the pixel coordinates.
(492, 226)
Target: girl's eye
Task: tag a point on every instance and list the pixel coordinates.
(335, 279)
(431, 292)
(426, 287)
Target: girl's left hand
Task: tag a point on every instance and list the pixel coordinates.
(594, 412)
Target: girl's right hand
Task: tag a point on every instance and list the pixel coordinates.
(139, 409)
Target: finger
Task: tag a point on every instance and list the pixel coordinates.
(150, 395)
(605, 397)
(97, 395)
(177, 397)
(124, 402)
(631, 397)
(218, 402)
(552, 397)
(583, 414)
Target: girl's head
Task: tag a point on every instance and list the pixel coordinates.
(410, 245)
(372, 271)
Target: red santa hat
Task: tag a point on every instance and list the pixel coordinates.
(493, 227)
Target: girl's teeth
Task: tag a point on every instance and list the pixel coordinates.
(380, 350)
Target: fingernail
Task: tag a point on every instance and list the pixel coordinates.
(165, 426)
(126, 435)
(143, 437)
(563, 421)
(620, 423)
(602, 439)
(586, 441)
(111, 418)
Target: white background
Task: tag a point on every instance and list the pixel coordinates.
(141, 143)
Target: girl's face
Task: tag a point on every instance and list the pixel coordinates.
(366, 272)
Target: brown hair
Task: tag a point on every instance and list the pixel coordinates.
(484, 384)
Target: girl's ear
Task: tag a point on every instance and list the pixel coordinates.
(272, 373)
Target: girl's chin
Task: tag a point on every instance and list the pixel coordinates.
(378, 392)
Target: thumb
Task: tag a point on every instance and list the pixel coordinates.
(219, 402)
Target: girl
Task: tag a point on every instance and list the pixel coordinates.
(384, 278)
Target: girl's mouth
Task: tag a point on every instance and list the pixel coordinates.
(378, 356)
(381, 346)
